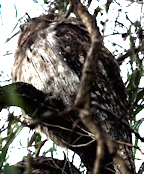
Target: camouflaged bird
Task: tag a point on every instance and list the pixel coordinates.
(50, 55)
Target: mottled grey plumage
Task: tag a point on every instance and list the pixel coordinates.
(45, 165)
(50, 55)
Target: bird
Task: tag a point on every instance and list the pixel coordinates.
(50, 56)
(45, 165)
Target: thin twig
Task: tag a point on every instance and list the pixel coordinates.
(128, 53)
(130, 145)
(141, 169)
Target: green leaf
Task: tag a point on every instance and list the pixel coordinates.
(134, 80)
(35, 1)
(1, 14)
(10, 139)
(136, 143)
(7, 53)
(45, 1)
(140, 95)
(37, 140)
(15, 10)
(135, 110)
(52, 149)
(10, 169)
(138, 123)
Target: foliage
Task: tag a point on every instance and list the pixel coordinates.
(13, 129)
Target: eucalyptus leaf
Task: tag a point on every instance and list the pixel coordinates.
(35, 1)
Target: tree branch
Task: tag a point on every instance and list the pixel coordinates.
(128, 53)
(28, 98)
(83, 96)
